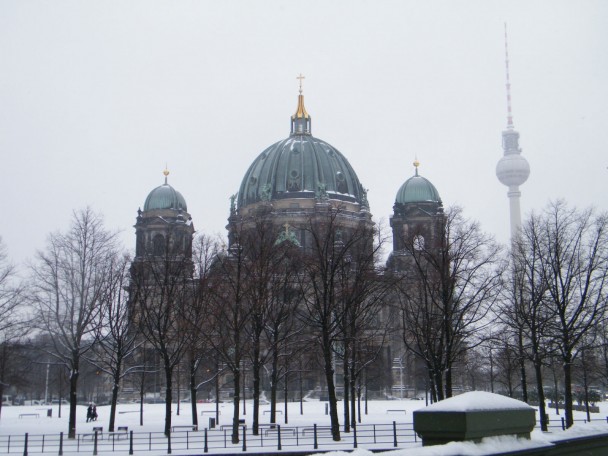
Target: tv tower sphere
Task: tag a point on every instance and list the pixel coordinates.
(512, 170)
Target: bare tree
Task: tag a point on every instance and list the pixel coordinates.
(11, 299)
(505, 361)
(361, 289)
(115, 333)
(162, 297)
(525, 308)
(271, 260)
(574, 249)
(282, 333)
(204, 251)
(228, 315)
(10, 291)
(334, 238)
(69, 280)
(454, 278)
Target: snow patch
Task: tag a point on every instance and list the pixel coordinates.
(477, 401)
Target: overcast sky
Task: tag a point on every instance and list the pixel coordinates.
(96, 96)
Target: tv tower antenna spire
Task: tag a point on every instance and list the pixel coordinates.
(508, 84)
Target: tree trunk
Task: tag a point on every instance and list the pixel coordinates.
(448, 382)
(274, 380)
(141, 393)
(285, 398)
(256, 389)
(586, 386)
(217, 391)
(114, 399)
(555, 392)
(331, 388)
(193, 368)
(431, 387)
(73, 390)
(346, 386)
(353, 399)
(568, 389)
(168, 397)
(236, 405)
(359, 402)
(439, 384)
(541, 394)
(522, 367)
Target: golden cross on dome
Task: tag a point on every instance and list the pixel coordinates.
(286, 228)
(416, 165)
(300, 77)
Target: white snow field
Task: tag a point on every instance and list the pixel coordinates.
(385, 421)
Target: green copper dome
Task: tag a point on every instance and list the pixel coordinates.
(300, 166)
(165, 197)
(417, 189)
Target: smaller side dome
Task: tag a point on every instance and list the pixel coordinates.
(165, 197)
(417, 189)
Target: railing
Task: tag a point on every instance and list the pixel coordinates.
(369, 436)
(560, 422)
(372, 436)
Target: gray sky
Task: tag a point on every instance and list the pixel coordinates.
(96, 96)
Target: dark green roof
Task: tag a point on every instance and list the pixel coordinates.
(165, 197)
(300, 166)
(417, 189)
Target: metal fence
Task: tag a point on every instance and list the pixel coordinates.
(271, 437)
(371, 436)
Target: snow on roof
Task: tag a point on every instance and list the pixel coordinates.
(477, 401)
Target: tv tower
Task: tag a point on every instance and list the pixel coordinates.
(512, 169)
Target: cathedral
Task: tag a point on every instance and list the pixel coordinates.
(292, 182)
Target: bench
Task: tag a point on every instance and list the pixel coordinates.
(396, 411)
(36, 415)
(320, 429)
(192, 427)
(267, 425)
(121, 433)
(269, 411)
(96, 430)
(291, 430)
(229, 426)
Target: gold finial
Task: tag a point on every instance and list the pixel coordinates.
(416, 165)
(301, 110)
(300, 77)
(166, 173)
(286, 226)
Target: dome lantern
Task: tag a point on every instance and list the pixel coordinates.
(300, 121)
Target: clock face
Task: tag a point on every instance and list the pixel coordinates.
(418, 242)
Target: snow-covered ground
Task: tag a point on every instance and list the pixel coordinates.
(18, 420)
